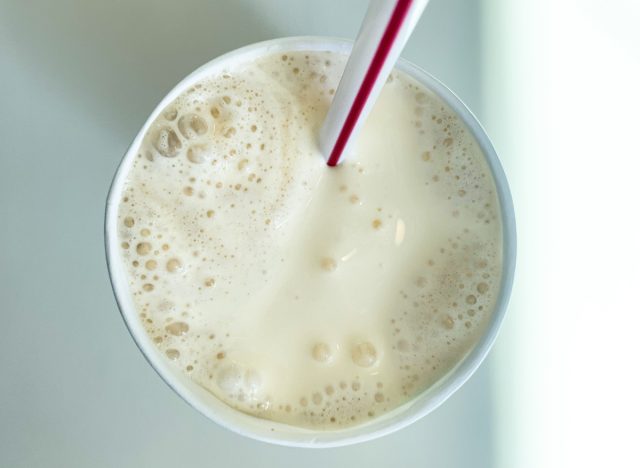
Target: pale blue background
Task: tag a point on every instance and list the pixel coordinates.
(77, 80)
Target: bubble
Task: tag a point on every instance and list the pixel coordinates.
(471, 299)
(364, 354)
(174, 265)
(143, 248)
(197, 154)
(167, 143)
(376, 223)
(252, 381)
(482, 288)
(316, 398)
(243, 164)
(170, 114)
(209, 282)
(124, 245)
(379, 397)
(148, 287)
(328, 264)
(215, 112)
(192, 126)
(177, 328)
(448, 322)
(230, 379)
(129, 221)
(210, 213)
(321, 352)
(145, 232)
(172, 354)
(166, 306)
(151, 264)
(188, 191)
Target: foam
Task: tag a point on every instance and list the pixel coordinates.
(316, 297)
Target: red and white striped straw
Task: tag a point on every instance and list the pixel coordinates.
(383, 34)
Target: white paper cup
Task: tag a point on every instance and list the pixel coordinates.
(270, 431)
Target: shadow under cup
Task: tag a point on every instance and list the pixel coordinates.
(270, 431)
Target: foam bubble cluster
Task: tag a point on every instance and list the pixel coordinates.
(311, 296)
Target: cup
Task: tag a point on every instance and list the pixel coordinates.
(270, 431)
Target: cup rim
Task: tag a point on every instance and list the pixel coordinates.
(278, 433)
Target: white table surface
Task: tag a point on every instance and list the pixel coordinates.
(77, 80)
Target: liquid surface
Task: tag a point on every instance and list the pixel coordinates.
(306, 295)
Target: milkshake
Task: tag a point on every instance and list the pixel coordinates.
(320, 298)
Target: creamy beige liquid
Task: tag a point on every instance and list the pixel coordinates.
(311, 296)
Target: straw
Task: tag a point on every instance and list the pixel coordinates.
(383, 34)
